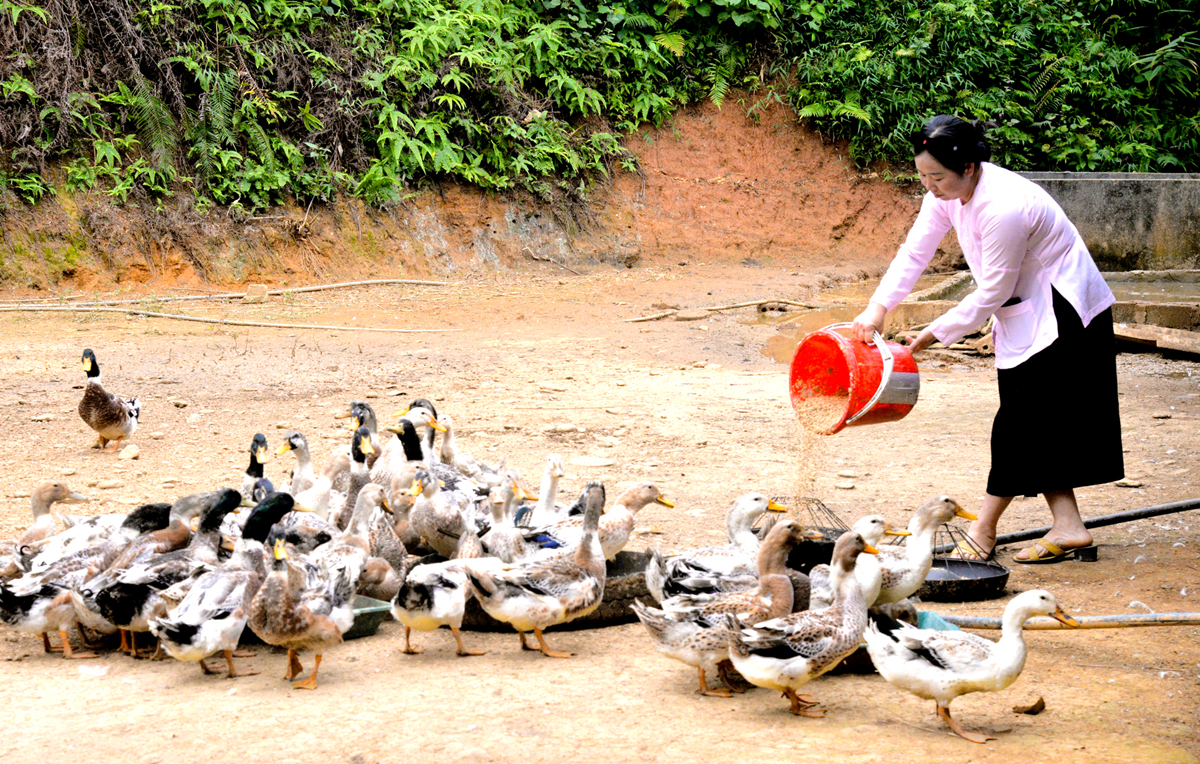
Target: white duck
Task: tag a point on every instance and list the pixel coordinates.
(786, 653)
(868, 570)
(729, 567)
(41, 503)
(905, 567)
(504, 539)
(436, 594)
(545, 511)
(485, 474)
(303, 476)
(941, 665)
(616, 524)
(544, 592)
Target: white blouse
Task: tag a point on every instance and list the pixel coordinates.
(1018, 243)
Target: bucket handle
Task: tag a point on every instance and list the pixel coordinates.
(888, 362)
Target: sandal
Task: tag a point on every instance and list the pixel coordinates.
(971, 552)
(1053, 553)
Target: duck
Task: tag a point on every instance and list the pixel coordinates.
(868, 570)
(303, 476)
(309, 605)
(942, 665)
(504, 540)
(540, 593)
(321, 495)
(302, 607)
(360, 475)
(729, 567)
(401, 500)
(904, 567)
(408, 448)
(112, 417)
(615, 527)
(422, 413)
(212, 615)
(691, 627)
(786, 653)
(441, 516)
(435, 594)
(545, 511)
(42, 602)
(485, 474)
(137, 594)
(175, 536)
(259, 454)
(41, 505)
(361, 414)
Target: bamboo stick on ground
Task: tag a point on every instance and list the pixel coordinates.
(1085, 621)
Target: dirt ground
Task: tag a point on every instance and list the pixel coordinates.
(698, 408)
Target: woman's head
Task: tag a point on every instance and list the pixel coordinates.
(948, 153)
(953, 142)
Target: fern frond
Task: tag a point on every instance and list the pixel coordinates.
(672, 41)
(154, 122)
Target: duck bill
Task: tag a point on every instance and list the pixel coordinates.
(894, 532)
(434, 424)
(354, 424)
(394, 430)
(279, 551)
(660, 499)
(386, 507)
(301, 508)
(812, 534)
(344, 415)
(402, 413)
(773, 507)
(1063, 618)
(870, 549)
(415, 489)
(365, 446)
(262, 454)
(960, 512)
(283, 449)
(74, 498)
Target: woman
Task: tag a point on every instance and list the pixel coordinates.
(1058, 427)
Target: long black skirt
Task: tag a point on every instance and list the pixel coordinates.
(1059, 423)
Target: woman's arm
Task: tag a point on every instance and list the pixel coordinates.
(910, 262)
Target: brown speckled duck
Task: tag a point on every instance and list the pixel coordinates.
(786, 653)
(113, 418)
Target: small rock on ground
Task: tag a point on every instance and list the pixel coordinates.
(130, 452)
(106, 485)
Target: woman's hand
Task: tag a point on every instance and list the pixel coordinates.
(922, 341)
(869, 321)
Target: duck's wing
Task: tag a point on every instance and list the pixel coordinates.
(955, 651)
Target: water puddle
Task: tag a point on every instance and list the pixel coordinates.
(1156, 291)
(846, 301)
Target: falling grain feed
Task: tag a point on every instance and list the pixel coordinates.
(816, 417)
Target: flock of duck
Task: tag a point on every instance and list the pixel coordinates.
(428, 527)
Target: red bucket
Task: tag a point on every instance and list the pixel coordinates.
(838, 381)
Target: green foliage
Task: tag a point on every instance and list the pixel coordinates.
(257, 103)
(1067, 85)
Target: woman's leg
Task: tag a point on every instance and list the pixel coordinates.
(983, 530)
(1068, 530)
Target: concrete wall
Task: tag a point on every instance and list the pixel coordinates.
(1131, 221)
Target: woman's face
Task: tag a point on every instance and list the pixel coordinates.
(943, 183)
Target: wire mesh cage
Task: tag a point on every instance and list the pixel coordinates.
(814, 516)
